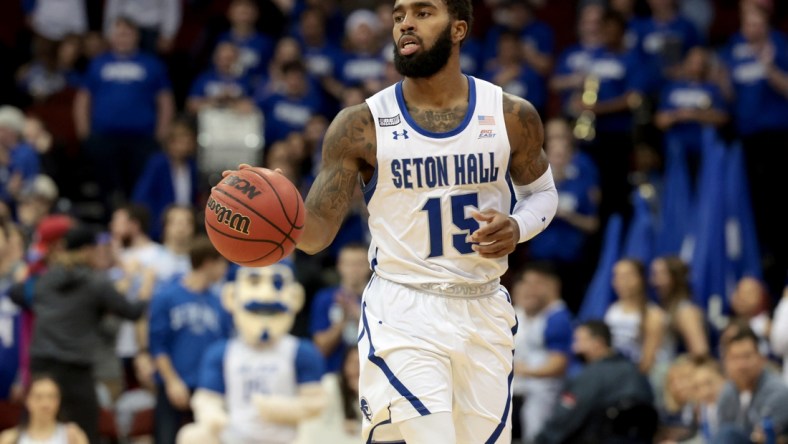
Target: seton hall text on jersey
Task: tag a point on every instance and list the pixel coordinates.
(442, 171)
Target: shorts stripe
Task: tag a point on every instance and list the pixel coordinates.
(498, 430)
(396, 383)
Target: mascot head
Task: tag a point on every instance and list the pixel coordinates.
(263, 302)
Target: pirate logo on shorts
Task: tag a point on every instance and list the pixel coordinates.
(365, 410)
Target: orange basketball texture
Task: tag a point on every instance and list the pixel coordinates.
(254, 217)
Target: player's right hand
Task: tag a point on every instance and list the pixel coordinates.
(178, 394)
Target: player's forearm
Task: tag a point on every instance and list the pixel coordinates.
(317, 235)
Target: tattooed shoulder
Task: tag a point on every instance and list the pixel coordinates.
(526, 137)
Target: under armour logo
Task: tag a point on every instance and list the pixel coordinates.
(403, 134)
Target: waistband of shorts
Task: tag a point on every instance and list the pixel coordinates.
(459, 290)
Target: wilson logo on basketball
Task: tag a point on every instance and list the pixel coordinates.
(243, 186)
(236, 222)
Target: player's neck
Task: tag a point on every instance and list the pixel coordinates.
(439, 91)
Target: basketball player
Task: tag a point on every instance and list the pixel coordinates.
(434, 154)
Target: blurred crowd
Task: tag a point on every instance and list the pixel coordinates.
(666, 126)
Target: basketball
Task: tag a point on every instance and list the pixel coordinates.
(254, 217)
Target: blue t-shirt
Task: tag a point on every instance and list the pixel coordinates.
(471, 56)
(574, 59)
(355, 69)
(255, 51)
(618, 74)
(757, 105)
(528, 85)
(537, 34)
(213, 84)
(182, 326)
(284, 114)
(561, 240)
(23, 160)
(666, 42)
(123, 93)
(321, 61)
(690, 95)
(10, 324)
(320, 320)
(558, 330)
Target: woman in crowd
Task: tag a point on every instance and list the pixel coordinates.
(686, 326)
(41, 424)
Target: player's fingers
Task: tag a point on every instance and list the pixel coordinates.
(244, 166)
(493, 250)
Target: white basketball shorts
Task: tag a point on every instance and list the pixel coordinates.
(436, 348)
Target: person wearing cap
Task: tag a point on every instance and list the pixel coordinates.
(19, 162)
(69, 300)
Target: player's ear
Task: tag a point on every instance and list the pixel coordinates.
(459, 31)
(228, 299)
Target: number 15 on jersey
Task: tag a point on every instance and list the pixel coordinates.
(466, 225)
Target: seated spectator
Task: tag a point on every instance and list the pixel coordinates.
(637, 325)
(543, 345)
(221, 86)
(340, 422)
(750, 305)
(169, 177)
(669, 278)
(19, 162)
(68, 291)
(42, 424)
(754, 400)
(255, 49)
(609, 380)
(290, 110)
(687, 105)
(186, 317)
(12, 269)
(336, 310)
(509, 71)
(678, 421)
(709, 382)
(536, 36)
(779, 333)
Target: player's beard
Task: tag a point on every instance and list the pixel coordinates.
(426, 62)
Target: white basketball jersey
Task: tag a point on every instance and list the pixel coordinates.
(266, 371)
(426, 185)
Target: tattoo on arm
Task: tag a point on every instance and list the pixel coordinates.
(526, 136)
(347, 143)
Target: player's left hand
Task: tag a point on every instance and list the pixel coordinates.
(497, 237)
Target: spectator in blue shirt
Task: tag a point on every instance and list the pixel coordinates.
(574, 63)
(620, 77)
(336, 310)
(688, 104)
(565, 241)
(666, 36)
(19, 162)
(536, 36)
(543, 344)
(362, 63)
(757, 62)
(124, 106)
(256, 49)
(320, 56)
(222, 85)
(290, 110)
(511, 72)
(169, 177)
(186, 316)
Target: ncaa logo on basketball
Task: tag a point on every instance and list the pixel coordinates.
(389, 121)
(365, 409)
(486, 134)
(243, 186)
(236, 222)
